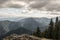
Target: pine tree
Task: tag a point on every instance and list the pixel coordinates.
(38, 32)
(56, 20)
(50, 29)
(48, 33)
(57, 29)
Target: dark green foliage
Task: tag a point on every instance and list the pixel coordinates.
(45, 33)
(50, 29)
(38, 32)
(49, 32)
(53, 31)
(57, 29)
(56, 20)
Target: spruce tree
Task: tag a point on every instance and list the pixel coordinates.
(57, 29)
(37, 32)
(56, 20)
(50, 29)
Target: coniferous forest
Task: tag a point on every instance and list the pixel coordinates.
(52, 32)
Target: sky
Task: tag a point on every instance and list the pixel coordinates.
(29, 8)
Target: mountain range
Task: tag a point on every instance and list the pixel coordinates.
(24, 25)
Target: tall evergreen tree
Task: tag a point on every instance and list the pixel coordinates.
(57, 29)
(50, 29)
(37, 32)
(56, 20)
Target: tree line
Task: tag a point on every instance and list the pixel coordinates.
(52, 32)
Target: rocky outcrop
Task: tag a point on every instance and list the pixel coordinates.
(23, 37)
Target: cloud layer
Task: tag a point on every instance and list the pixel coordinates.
(13, 13)
(11, 3)
(29, 8)
(34, 4)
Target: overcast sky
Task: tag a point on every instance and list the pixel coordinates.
(29, 8)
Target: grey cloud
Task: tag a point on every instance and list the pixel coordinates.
(30, 0)
(10, 5)
(39, 4)
(3, 1)
(47, 4)
(51, 7)
(15, 6)
(27, 0)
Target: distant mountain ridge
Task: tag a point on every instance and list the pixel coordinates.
(10, 25)
(19, 31)
(27, 23)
